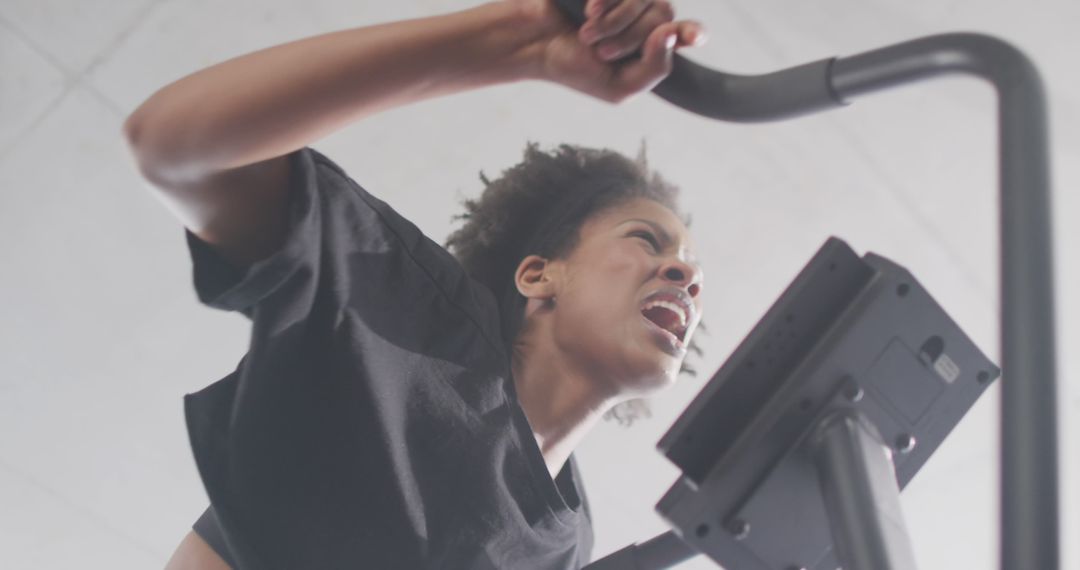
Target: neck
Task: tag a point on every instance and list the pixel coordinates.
(561, 401)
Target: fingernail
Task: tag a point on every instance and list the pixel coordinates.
(669, 43)
(700, 38)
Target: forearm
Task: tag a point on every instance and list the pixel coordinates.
(274, 101)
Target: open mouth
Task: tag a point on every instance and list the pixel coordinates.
(668, 317)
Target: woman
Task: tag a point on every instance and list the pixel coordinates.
(399, 407)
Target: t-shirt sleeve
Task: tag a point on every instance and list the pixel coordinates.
(354, 306)
(208, 528)
(335, 227)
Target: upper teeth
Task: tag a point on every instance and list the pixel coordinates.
(675, 308)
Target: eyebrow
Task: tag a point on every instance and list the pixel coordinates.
(665, 236)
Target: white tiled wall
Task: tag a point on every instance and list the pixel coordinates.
(102, 334)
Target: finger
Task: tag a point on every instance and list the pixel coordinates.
(655, 62)
(691, 33)
(635, 36)
(594, 8)
(613, 21)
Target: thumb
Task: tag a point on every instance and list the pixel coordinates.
(654, 64)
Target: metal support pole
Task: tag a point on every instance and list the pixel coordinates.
(1029, 487)
(858, 483)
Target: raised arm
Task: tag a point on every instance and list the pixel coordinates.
(273, 101)
(214, 143)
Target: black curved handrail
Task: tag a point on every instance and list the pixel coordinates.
(1029, 488)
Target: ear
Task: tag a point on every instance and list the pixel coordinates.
(534, 278)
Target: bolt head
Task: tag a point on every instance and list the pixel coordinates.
(905, 442)
(739, 529)
(853, 393)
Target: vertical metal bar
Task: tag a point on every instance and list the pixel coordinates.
(858, 483)
(1029, 493)
(1029, 485)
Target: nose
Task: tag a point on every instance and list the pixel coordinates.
(684, 275)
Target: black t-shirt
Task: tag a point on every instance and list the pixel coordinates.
(373, 422)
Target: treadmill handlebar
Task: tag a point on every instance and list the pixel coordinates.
(1029, 485)
(729, 97)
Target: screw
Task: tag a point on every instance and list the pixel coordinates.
(905, 442)
(853, 392)
(739, 529)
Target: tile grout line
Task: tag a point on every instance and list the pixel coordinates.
(69, 76)
(74, 79)
(4, 151)
(89, 514)
(105, 101)
(106, 52)
(69, 83)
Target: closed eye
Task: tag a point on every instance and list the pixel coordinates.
(649, 237)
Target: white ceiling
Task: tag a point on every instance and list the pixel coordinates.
(103, 335)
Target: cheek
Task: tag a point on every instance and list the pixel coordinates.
(607, 289)
(624, 256)
(627, 266)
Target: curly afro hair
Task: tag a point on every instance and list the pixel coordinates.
(538, 207)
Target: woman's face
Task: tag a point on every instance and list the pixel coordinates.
(628, 296)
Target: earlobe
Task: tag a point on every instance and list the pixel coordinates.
(533, 278)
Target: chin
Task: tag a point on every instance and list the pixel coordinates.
(661, 375)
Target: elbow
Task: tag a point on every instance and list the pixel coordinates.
(132, 130)
(135, 128)
(133, 133)
(150, 158)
